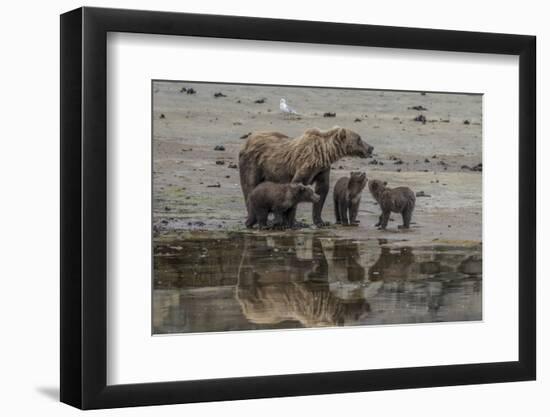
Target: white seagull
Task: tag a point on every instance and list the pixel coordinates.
(285, 108)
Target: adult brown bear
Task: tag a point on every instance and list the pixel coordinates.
(273, 156)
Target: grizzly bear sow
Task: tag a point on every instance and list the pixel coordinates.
(397, 200)
(279, 199)
(273, 156)
(347, 197)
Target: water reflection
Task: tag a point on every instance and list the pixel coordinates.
(281, 279)
(248, 281)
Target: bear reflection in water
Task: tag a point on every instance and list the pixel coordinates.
(250, 281)
(287, 280)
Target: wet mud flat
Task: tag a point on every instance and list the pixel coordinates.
(217, 281)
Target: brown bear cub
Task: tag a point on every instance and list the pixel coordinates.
(279, 199)
(396, 200)
(347, 197)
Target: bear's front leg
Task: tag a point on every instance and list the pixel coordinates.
(353, 210)
(322, 182)
(384, 219)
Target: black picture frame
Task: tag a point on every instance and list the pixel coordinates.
(84, 207)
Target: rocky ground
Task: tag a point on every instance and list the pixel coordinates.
(430, 142)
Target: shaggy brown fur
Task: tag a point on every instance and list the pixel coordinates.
(347, 197)
(279, 199)
(273, 156)
(397, 200)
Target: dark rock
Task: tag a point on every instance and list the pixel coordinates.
(420, 118)
(196, 223)
(398, 162)
(246, 135)
(398, 169)
(162, 116)
(219, 94)
(357, 120)
(422, 93)
(237, 123)
(232, 165)
(478, 167)
(167, 208)
(329, 114)
(422, 194)
(220, 162)
(426, 161)
(260, 101)
(183, 90)
(219, 148)
(217, 185)
(373, 162)
(191, 91)
(466, 122)
(418, 108)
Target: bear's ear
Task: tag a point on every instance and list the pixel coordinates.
(385, 183)
(341, 133)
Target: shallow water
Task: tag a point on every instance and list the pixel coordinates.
(244, 281)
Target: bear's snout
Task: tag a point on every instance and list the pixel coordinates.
(315, 198)
(365, 150)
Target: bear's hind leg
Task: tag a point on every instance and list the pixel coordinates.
(251, 220)
(406, 214)
(337, 212)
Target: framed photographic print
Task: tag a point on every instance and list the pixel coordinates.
(255, 208)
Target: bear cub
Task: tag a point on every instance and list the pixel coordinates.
(347, 197)
(396, 200)
(279, 199)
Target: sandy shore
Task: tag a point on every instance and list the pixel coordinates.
(196, 187)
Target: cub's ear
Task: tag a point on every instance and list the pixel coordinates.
(385, 183)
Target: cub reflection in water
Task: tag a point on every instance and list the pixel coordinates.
(392, 265)
(285, 278)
